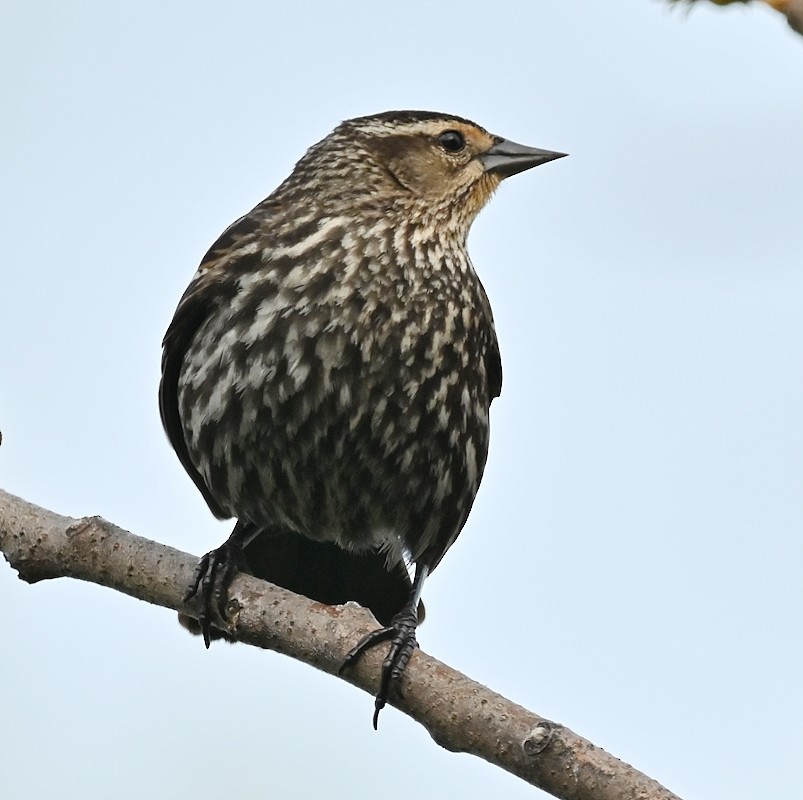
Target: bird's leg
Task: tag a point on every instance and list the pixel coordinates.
(401, 633)
(212, 578)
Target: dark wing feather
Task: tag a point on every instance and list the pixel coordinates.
(206, 293)
(493, 359)
(493, 365)
(193, 309)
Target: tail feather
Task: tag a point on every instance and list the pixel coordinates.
(326, 573)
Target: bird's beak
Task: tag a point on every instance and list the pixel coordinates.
(507, 158)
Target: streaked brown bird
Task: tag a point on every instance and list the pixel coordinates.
(328, 373)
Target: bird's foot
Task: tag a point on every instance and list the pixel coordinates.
(210, 583)
(401, 633)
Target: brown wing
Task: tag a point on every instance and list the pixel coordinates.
(493, 364)
(194, 308)
(493, 359)
(207, 292)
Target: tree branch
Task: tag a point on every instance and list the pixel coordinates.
(460, 715)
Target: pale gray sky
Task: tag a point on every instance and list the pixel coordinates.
(633, 560)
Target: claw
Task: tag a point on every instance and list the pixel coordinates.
(192, 589)
(366, 643)
(401, 633)
(210, 583)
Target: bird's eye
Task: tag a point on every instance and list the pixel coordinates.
(452, 141)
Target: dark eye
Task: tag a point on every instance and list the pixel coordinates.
(452, 141)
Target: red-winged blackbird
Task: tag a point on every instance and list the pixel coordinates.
(327, 376)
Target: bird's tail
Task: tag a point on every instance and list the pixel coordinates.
(324, 572)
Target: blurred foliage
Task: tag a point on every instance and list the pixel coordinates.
(791, 9)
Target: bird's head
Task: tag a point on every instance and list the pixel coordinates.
(418, 160)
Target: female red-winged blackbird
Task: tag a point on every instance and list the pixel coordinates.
(328, 373)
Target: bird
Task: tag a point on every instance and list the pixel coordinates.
(328, 373)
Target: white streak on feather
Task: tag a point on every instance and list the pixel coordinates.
(311, 241)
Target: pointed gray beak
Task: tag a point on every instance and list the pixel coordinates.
(508, 158)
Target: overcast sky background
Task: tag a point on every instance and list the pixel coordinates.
(632, 565)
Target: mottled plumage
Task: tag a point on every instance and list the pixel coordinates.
(328, 374)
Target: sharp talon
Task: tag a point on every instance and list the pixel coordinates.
(401, 632)
(366, 643)
(210, 584)
(379, 704)
(195, 582)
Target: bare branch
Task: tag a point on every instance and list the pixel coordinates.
(459, 714)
